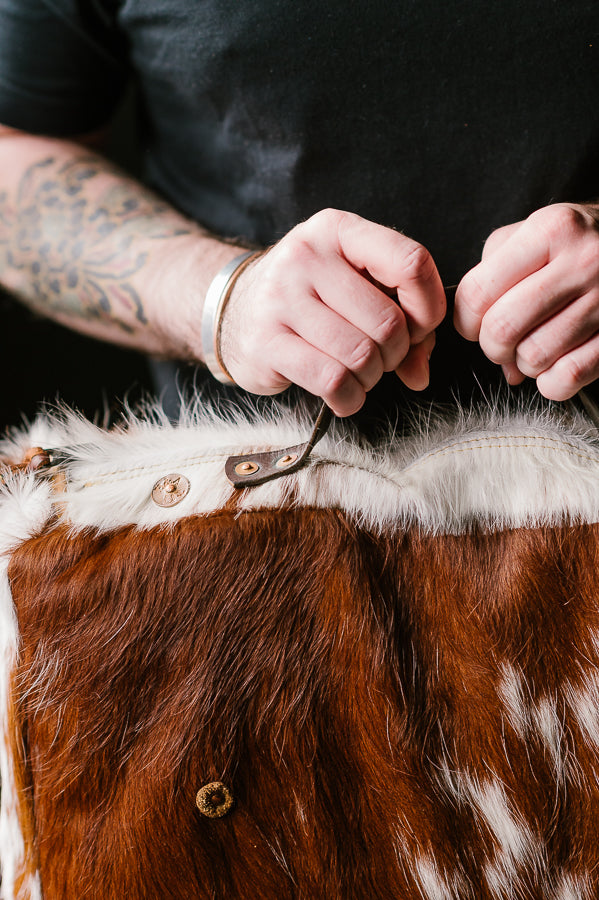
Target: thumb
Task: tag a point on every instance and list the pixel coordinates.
(414, 368)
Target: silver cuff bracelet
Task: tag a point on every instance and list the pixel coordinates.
(216, 300)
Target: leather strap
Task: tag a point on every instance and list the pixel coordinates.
(34, 459)
(256, 468)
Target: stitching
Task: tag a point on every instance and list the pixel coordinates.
(397, 481)
(462, 446)
(481, 443)
(507, 437)
(197, 460)
(127, 473)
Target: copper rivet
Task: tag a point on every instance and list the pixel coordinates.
(38, 461)
(286, 460)
(36, 458)
(214, 800)
(246, 468)
(170, 490)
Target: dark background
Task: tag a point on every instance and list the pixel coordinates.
(43, 362)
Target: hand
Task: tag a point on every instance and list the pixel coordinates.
(533, 300)
(316, 311)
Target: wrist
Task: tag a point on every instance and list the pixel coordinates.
(215, 303)
(176, 288)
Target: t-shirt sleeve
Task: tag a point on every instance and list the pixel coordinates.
(62, 66)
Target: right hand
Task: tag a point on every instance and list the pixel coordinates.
(314, 311)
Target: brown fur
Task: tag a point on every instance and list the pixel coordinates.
(326, 677)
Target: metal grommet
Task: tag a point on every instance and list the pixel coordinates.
(286, 460)
(214, 800)
(36, 458)
(170, 489)
(246, 468)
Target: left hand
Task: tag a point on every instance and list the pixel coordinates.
(533, 300)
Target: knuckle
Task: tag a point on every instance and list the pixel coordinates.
(532, 357)
(390, 328)
(574, 372)
(498, 339)
(325, 220)
(365, 353)
(494, 239)
(588, 258)
(565, 378)
(472, 295)
(418, 264)
(559, 223)
(294, 251)
(329, 215)
(500, 331)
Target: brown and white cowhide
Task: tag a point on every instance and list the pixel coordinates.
(389, 659)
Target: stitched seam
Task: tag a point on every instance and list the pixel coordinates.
(507, 437)
(198, 459)
(186, 460)
(463, 447)
(126, 474)
(410, 468)
(555, 446)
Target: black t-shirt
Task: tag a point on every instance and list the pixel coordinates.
(445, 120)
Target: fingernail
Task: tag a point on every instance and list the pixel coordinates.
(422, 379)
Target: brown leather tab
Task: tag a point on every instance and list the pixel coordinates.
(34, 459)
(256, 468)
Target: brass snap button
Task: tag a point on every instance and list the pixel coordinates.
(287, 460)
(170, 489)
(214, 800)
(246, 468)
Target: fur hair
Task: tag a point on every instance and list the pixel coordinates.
(390, 659)
(497, 468)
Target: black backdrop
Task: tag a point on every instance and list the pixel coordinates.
(43, 362)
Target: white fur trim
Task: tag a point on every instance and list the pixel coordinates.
(500, 470)
(24, 507)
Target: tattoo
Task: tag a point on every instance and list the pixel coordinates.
(76, 254)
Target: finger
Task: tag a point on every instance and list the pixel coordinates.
(368, 309)
(570, 328)
(296, 361)
(523, 253)
(571, 372)
(498, 237)
(324, 329)
(397, 262)
(512, 374)
(414, 370)
(525, 306)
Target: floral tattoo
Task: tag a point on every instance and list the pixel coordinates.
(76, 255)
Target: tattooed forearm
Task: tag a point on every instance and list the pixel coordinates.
(73, 240)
